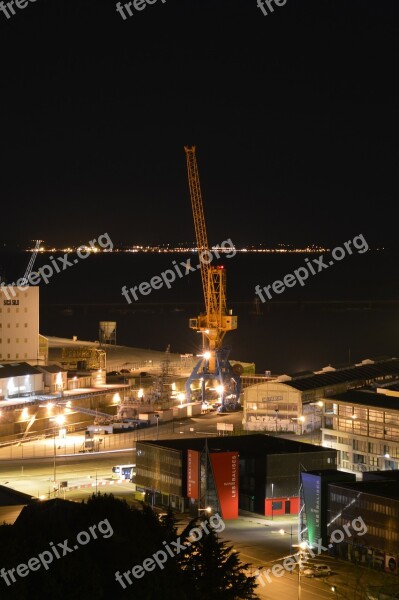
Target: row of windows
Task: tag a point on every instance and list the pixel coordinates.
(170, 460)
(371, 429)
(149, 474)
(16, 325)
(9, 356)
(17, 340)
(14, 310)
(365, 505)
(170, 479)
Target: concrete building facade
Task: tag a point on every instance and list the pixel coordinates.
(19, 324)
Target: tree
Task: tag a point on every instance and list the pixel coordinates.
(212, 569)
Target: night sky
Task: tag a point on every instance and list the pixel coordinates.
(294, 116)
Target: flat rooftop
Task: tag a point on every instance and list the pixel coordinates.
(382, 489)
(367, 398)
(251, 444)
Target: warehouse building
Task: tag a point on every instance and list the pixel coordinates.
(257, 473)
(294, 403)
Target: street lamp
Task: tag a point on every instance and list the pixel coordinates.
(208, 510)
(157, 417)
(386, 456)
(272, 499)
(60, 420)
(276, 411)
(300, 420)
(320, 404)
(282, 532)
(302, 546)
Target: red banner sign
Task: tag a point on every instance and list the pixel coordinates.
(193, 474)
(225, 473)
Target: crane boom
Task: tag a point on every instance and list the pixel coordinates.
(198, 214)
(31, 262)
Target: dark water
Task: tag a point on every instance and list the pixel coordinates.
(288, 333)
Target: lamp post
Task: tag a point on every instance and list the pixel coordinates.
(60, 420)
(276, 411)
(300, 420)
(320, 404)
(272, 498)
(282, 532)
(386, 456)
(157, 417)
(302, 546)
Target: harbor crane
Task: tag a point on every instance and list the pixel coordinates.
(213, 366)
(29, 268)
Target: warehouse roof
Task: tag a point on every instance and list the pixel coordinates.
(16, 369)
(350, 375)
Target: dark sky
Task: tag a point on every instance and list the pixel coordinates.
(294, 116)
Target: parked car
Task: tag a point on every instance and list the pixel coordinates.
(317, 570)
(112, 373)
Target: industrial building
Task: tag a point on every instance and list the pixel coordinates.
(377, 503)
(313, 513)
(363, 425)
(355, 520)
(32, 397)
(294, 403)
(262, 471)
(19, 325)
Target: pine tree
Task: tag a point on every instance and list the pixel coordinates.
(213, 569)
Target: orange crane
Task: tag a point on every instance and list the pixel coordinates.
(216, 321)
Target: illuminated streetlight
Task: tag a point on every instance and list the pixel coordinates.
(283, 532)
(300, 420)
(302, 546)
(208, 509)
(60, 420)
